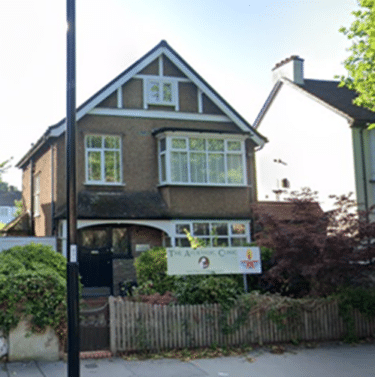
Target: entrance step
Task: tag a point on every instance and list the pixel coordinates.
(96, 291)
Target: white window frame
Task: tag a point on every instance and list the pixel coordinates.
(212, 237)
(168, 137)
(37, 195)
(102, 150)
(150, 100)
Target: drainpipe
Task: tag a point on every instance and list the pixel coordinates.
(53, 228)
(32, 223)
(364, 174)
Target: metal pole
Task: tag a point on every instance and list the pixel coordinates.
(245, 287)
(71, 215)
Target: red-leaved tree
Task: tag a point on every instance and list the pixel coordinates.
(316, 253)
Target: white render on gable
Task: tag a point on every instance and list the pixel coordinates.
(314, 141)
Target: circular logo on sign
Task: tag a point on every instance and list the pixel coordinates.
(204, 262)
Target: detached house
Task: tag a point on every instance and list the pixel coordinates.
(158, 152)
(317, 138)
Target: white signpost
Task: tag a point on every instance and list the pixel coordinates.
(214, 260)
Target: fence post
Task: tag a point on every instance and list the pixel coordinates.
(112, 325)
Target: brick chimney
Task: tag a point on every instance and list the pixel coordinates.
(290, 68)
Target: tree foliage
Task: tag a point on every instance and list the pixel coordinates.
(361, 63)
(317, 253)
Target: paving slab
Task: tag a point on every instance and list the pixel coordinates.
(105, 367)
(53, 369)
(24, 369)
(164, 368)
(3, 371)
(343, 361)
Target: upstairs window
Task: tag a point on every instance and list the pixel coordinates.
(37, 195)
(201, 161)
(161, 92)
(103, 159)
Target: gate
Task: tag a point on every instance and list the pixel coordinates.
(94, 328)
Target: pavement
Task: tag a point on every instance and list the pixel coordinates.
(328, 360)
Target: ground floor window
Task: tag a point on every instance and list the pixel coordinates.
(219, 233)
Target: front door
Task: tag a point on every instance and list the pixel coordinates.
(98, 246)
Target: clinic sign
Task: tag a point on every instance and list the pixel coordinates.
(214, 260)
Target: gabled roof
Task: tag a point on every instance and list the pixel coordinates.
(285, 211)
(329, 94)
(7, 198)
(161, 49)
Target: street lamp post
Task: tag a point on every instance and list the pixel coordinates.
(71, 202)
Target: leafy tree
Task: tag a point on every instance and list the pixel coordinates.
(361, 63)
(314, 253)
(4, 166)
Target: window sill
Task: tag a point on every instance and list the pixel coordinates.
(209, 185)
(104, 184)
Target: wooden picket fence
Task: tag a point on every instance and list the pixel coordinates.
(138, 326)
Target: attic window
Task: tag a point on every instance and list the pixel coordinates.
(161, 92)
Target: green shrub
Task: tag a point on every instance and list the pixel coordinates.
(208, 289)
(33, 285)
(151, 268)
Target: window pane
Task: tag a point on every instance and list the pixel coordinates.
(179, 167)
(201, 229)
(162, 145)
(238, 241)
(163, 168)
(182, 242)
(94, 166)
(197, 144)
(198, 167)
(238, 228)
(167, 92)
(120, 240)
(179, 143)
(154, 91)
(235, 171)
(234, 145)
(205, 240)
(112, 142)
(112, 166)
(94, 141)
(219, 229)
(180, 228)
(220, 242)
(93, 238)
(216, 168)
(215, 145)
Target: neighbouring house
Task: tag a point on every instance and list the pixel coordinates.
(8, 205)
(317, 138)
(158, 152)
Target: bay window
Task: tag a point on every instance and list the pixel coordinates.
(201, 161)
(103, 159)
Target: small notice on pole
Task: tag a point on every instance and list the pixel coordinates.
(73, 253)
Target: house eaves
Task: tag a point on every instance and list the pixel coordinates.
(161, 49)
(328, 94)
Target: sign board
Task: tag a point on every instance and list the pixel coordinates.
(213, 260)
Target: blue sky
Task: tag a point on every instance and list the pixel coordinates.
(232, 44)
